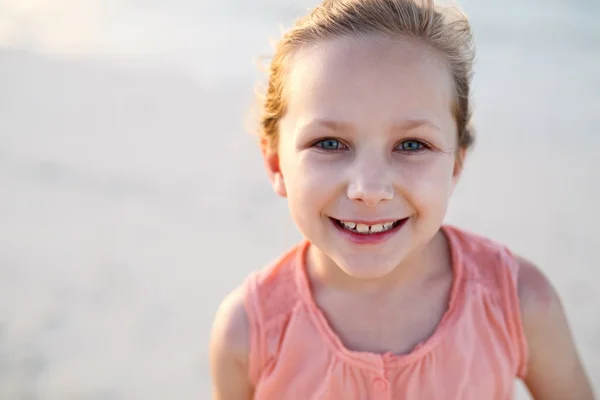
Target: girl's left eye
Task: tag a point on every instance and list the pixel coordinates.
(411, 146)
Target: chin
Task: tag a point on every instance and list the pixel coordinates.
(370, 268)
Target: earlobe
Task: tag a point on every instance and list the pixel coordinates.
(279, 185)
(459, 163)
(458, 167)
(271, 159)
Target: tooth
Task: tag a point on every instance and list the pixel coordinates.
(350, 225)
(388, 225)
(376, 228)
(362, 228)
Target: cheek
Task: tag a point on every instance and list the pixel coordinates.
(309, 183)
(316, 172)
(428, 184)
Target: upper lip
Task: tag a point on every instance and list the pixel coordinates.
(370, 222)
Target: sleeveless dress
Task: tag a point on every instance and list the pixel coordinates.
(475, 352)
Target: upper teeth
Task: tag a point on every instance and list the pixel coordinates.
(363, 228)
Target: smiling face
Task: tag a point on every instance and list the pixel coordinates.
(367, 150)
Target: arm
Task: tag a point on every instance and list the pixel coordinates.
(229, 348)
(554, 370)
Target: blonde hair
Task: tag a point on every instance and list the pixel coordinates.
(444, 29)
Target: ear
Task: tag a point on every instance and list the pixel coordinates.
(271, 160)
(459, 162)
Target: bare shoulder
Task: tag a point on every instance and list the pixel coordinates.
(229, 349)
(230, 326)
(554, 368)
(537, 296)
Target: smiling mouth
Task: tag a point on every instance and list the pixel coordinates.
(364, 229)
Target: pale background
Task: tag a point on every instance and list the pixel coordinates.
(133, 199)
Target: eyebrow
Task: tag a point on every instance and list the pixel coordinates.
(407, 125)
(411, 124)
(328, 123)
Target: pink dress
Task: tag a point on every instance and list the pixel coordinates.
(475, 353)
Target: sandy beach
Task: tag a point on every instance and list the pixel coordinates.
(133, 197)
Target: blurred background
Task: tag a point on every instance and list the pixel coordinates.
(133, 198)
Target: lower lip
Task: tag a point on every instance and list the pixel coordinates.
(371, 238)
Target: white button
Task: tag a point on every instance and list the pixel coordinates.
(380, 384)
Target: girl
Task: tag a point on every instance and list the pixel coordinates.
(365, 130)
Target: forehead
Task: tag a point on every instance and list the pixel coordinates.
(368, 80)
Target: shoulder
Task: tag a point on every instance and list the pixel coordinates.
(259, 297)
(230, 334)
(264, 294)
(536, 295)
(538, 299)
(229, 349)
(554, 369)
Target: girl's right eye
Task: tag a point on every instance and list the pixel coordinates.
(330, 144)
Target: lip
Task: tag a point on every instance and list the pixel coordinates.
(370, 222)
(372, 238)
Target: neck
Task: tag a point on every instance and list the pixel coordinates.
(423, 263)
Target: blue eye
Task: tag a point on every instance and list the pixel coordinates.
(411, 146)
(330, 144)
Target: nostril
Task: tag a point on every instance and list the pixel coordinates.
(370, 194)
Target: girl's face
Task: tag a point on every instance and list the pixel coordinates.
(367, 153)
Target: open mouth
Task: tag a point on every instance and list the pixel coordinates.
(365, 229)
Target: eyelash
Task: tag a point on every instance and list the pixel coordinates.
(423, 145)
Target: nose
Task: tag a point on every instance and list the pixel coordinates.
(370, 186)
